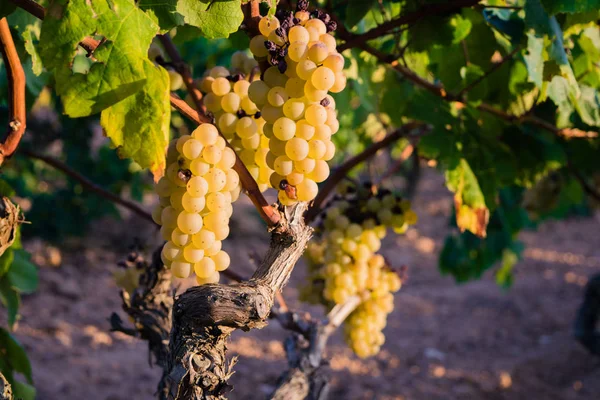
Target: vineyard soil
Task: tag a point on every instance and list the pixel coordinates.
(444, 341)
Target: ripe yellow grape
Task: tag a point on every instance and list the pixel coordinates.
(217, 72)
(206, 134)
(211, 154)
(334, 62)
(323, 78)
(305, 68)
(298, 33)
(241, 88)
(329, 41)
(277, 96)
(306, 190)
(192, 254)
(230, 102)
(312, 93)
(205, 267)
(192, 204)
(175, 80)
(315, 114)
(317, 24)
(320, 172)
(189, 223)
(268, 24)
(181, 269)
(227, 123)
(273, 77)
(246, 127)
(179, 238)
(169, 217)
(318, 52)
(257, 92)
(296, 149)
(171, 251)
(284, 128)
(298, 50)
(216, 179)
(221, 260)
(305, 165)
(199, 167)
(295, 87)
(283, 165)
(220, 86)
(294, 108)
(339, 84)
(197, 186)
(257, 46)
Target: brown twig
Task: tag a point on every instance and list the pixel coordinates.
(251, 17)
(86, 183)
(184, 70)
(345, 168)
(353, 40)
(16, 92)
(268, 214)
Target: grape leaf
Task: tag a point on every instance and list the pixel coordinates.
(11, 300)
(36, 62)
(472, 214)
(139, 125)
(23, 275)
(13, 351)
(118, 70)
(165, 11)
(570, 6)
(352, 14)
(215, 19)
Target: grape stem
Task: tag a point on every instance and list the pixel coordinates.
(91, 186)
(184, 70)
(267, 213)
(16, 90)
(340, 172)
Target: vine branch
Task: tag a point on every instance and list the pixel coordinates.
(88, 184)
(343, 170)
(16, 92)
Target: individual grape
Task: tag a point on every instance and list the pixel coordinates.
(315, 114)
(216, 179)
(316, 24)
(298, 34)
(304, 130)
(181, 269)
(322, 132)
(296, 149)
(199, 167)
(313, 94)
(246, 127)
(320, 172)
(220, 86)
(157, 213)
(192, 254)
(258, 91)
(179, 238)
(339, 84)
(221, 260)
(305, 69)
(191, 149)
(164, 187)
(230, 102)
(241, 88)
(233, 181)
(175, 80)
(180, 142)
(203, 239)
(277, 96)
(284, 128)
(297, 51)
(198, 186)
(189, 223)
(316, 149)
(171, 251)
(273, 77)
(328, 41)
(304, 166)
(205, 268)
(334, 62)
(271, 114)
(192, 204)
(214, 278)
(268, 24)
(294, 108)
(323, 78)
(257, 46)
(211, 154)
(294, 87)
(206, 134)
(169, 217)
(318, 52)
(307, 190)
(227, 123)
(214, 249)
(219, 72)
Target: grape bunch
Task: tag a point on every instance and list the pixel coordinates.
(226, 97)
(293, 98)
(195, 204)
(344, 262)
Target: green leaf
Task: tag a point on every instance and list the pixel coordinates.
(23, 275)
(5, 189)
(215, 19)
(31, 49)
(534, 59)
(12, 350)
(570, 6)
(23, 391)
(139, 125)
(11, 300)
(461, 28)
(118, 71)
(165, 11)
(6, 260)
(357, 11)
(472, 214)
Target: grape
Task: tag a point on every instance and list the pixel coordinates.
(180, 142)
(171, 251)
(214, 249)
(221, 260)
(304, 166)
(214, 278)
(323, 78)
(297, 51)
(230, 102)
(157, 213)
(205, 267)
(248, 106)
(296, 149)
(227, 160)
(211, 154)
(284, 128)
(323, 133)
(216, 179)
(198, 186)
(293, 108)
(164, 187)
(222, 231)
(219, 72)
(312, 93)
(317, 24)
(267, 24)
(277, 96)
(233, 181)
(169, 217)
(206, 134)
(316, 115)
(320, 171)
(295, 178)
(307, 190)
(273, 77)
(271, 114)
(191, 149)
(199, 167)
(334, 62)
(241, 88)
(221, 86)
(227, 122)
(339, 84)
(318, 52)
(295, 87)
(181, 269)
(305, 68)
(316, 149)
(192, 254)
(192, 204)
(176, 81)
(203, 239)
(298, 34)
(257, 46)
(304, 130)
(283, 165)
(328, 41)
(179, 238)
(257, 92)
(189, 223)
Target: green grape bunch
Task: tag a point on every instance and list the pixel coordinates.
(293, 98)
(344, 261)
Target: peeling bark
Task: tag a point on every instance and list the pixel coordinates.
(5, 389)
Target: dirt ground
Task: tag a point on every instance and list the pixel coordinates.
(444, 341)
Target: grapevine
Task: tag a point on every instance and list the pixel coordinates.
(300, 118)
(344, 261)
